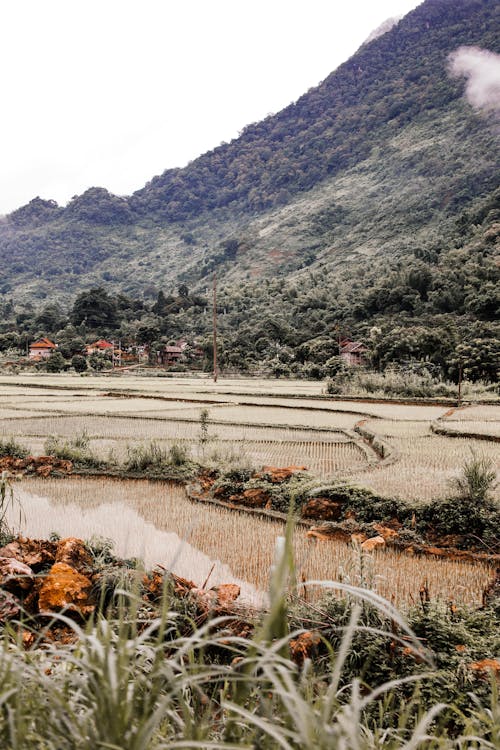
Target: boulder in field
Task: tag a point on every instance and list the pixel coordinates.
(376, 542)
(73, 552)
(65, 588)
(33, 552)
(15, 575)
(322, 508)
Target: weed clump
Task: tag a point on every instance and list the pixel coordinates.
(76, 449)
(10, 447)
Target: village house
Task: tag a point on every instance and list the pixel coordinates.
(171, 354)
(100, 347)
(41, 349)
(353, 353)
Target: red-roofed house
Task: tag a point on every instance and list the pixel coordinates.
(41, 349)
(353, 353)
(102, 346)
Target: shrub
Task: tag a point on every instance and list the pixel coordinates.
(55, 363)
(77, 450)
(477, 479)
(178, 454)
(10, 447)
(79, 363)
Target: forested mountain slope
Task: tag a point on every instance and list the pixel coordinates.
(373, 197)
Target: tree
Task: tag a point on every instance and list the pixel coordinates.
(95, 308)
(55, 363)
(79, 363)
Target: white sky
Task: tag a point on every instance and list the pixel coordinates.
(112, 92)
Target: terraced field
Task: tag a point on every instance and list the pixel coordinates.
(254, 422)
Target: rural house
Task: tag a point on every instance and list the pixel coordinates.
(100, 347)
(41, 349)
(170, 355)
(353, 353)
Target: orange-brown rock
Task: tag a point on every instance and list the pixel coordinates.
(42, 465)
(485, 667)
(65, 588)
(254, 498)
(27, 639)
(73, 552)
(278, 474)
(219, 599)
(385, 531)
(33, 552)
(376, 542)
(322, 508)
(155, 582)
(182, 585)
(304, 646)
(227, 593)
(327, 533)
(15, 575)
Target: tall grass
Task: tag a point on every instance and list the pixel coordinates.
(144, 683)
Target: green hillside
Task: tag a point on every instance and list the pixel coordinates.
(373, 199)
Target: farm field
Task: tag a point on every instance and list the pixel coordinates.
(290, 424)
(156, 521)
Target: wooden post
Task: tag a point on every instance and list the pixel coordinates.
(460, 370)
(215, 327)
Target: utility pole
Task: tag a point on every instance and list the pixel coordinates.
(215, 326)
(460, 373)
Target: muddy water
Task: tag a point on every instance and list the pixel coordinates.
(131, 534)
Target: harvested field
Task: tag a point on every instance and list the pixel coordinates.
(425, 464)
(263, 429)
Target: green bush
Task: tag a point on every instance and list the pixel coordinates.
(10, 447)
(79, 363)
(147, 456)
(77, 450)
(477, 479)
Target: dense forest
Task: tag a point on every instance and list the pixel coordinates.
(368, 209)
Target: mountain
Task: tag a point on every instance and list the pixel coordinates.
(384, 27)
(375, 194)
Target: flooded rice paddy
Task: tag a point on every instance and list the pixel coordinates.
(155, 521)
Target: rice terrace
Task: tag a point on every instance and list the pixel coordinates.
(407, 451)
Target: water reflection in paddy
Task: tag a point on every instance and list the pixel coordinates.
(149, 520)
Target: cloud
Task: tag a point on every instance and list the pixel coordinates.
(482, 70)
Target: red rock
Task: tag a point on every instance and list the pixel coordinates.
(385, 531)
(304, 646)
(254, 498)
(15, 575)
(73, 552)
(278, 474)
(322, 508)
(376, 542)
(227, 593)
(33, 552)
(485, 666)
(65, 588)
